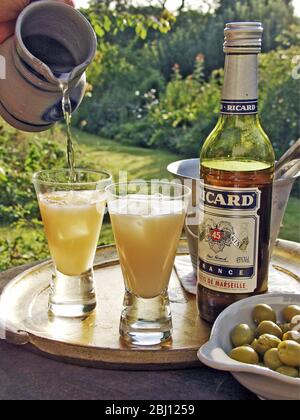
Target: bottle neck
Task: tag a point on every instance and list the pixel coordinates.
(240, 90)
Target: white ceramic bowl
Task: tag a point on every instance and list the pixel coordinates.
(264, 382)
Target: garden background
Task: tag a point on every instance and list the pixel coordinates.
(152, 98)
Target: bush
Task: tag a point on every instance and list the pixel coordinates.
(280, 98)
(19, 159)
(180, 117)
(137, 97)
(187, 112)
(136, 133)
(121, 90)
(22, 240)
(25, 242)
(189, 108)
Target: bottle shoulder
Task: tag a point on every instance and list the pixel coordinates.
(239, 139)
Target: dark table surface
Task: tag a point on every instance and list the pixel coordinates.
(26, 375)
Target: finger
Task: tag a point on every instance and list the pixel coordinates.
(69, 2)
(6, 30)
(9, 10)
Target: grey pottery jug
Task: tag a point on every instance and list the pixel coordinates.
(52, 40)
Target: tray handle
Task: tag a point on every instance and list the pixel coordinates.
(18, 338)
(12, 335)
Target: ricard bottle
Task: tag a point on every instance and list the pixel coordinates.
(237, 168)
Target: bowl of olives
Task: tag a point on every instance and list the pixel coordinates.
(258, 341)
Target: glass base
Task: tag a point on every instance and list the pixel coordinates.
(146, 322)
(72, 296)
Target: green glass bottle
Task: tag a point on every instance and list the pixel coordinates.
(237, 169)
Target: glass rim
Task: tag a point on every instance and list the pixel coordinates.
(186, 194)
(36, 175)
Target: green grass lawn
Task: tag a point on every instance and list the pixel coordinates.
(140, 163)
(291, 222)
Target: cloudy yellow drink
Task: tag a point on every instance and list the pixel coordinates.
(147, 231)
(72, 221)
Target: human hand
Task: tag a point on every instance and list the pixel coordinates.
(10, 10)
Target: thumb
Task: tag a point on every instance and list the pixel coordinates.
(10, 10)
(6, 30)
(69, 2)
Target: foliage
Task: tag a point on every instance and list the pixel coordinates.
(186, 113)
(196, 32)
(19, 159)
(111, 17)
(180, 117)
(22, 243)
(290, 227)
(120, 89)
(188, 38)
(280, 98)
(179, 104)
(276, 15)
(289, 37)
(138, 96)
(21, 155)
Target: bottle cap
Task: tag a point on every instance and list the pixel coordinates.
(243, 38)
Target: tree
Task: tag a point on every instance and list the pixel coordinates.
(109, 17)
(276, 15)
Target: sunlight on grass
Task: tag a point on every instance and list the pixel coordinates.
(113, 157)
(291, 226)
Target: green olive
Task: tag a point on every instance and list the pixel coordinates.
(289, 353)
(285, 327)
(292, 335)
(241, 335)
(264, 343)
(245, 354)
(263, 312)
(271, 359)
(268, 327)
(288, 371)
(290, 311)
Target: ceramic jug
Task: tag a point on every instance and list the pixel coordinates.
(52, 40)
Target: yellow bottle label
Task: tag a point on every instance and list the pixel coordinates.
(228, 239)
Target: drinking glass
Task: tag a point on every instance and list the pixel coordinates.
(72, 205)
(147, 220)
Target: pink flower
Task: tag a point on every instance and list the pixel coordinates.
(200, 58)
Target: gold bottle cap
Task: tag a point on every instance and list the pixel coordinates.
(243, 38)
